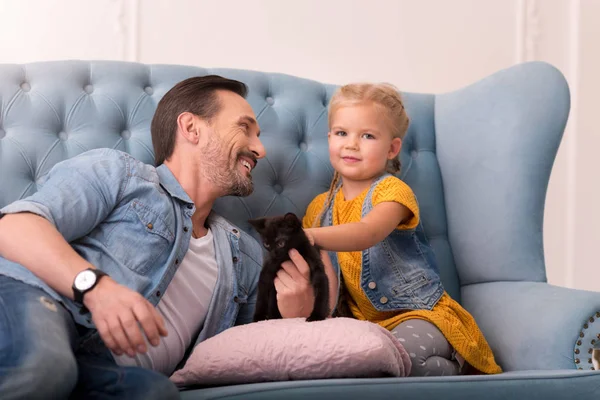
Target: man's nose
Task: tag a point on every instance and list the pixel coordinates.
(257, 148)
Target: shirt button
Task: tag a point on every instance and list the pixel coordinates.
(235, 231)
(150, 226)
(158, 293)
(383, 300)
(185, 228)
(372, 285)
(189, 206)
(235, 259)
(176, 261)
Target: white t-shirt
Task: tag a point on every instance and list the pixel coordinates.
(183, 306)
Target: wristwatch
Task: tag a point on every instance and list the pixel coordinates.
(85, 281)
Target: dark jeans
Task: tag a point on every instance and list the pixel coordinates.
(39, 357)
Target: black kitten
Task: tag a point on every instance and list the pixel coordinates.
(279, 235)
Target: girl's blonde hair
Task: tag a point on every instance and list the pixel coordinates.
(388, 100)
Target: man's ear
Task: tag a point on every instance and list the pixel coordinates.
(395, 147)
(188, 125)
(258, 224)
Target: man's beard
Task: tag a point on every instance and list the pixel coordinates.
(222, 169)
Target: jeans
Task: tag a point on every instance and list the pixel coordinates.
(40, 359)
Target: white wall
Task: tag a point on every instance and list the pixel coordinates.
(419, 45)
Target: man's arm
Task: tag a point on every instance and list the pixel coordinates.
(76, 196)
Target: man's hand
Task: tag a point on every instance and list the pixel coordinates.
(121, 314)
(295, 295)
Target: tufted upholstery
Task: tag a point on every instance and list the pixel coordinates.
(478, 159)
(56, 110)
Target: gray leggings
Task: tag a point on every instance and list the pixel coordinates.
(429, 351)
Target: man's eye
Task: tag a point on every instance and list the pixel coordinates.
(281, 243)
(266, 245)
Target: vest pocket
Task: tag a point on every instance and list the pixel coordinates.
(411, 285)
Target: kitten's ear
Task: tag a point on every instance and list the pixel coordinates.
(258, 224)
(293, 220)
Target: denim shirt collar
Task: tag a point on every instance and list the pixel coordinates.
(171, 184)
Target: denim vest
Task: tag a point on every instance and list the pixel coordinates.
(399, 273)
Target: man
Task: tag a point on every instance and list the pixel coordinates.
(108, 271)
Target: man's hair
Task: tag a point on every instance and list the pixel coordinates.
(197, 95)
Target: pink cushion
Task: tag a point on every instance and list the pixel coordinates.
(291, 349)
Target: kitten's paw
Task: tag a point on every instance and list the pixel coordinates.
(312, 318)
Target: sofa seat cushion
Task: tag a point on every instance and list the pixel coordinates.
(530, 385)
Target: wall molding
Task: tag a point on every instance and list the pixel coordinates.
(126, 26)
(570, 140)
(528, 31)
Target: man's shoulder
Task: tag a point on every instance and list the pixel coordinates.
(116, 160)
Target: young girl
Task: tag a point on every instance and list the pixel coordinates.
(369, 221)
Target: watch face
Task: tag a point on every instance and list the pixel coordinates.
(85, 280)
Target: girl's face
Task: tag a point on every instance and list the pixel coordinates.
(361, 142)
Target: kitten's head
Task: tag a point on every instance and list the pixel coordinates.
(280, 233)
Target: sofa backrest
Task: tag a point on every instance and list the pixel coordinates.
(51, 111)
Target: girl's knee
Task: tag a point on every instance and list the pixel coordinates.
(430, 352)
(434, 366)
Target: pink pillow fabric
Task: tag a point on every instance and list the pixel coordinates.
(293, 349)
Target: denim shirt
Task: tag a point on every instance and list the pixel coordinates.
(133, 221)
(398, 273)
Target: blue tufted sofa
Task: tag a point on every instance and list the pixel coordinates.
(478, 159)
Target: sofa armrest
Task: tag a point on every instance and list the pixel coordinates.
(534, 325)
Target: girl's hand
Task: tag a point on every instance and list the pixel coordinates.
(309, 234)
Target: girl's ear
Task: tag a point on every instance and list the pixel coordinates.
(395, 147)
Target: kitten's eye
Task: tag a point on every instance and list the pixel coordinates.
(281, 243)
(266, 245)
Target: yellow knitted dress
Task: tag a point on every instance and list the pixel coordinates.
(457, 325)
